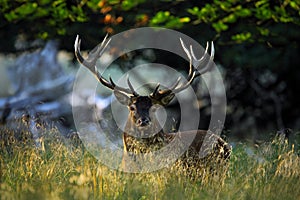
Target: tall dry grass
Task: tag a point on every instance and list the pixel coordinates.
(62, 171)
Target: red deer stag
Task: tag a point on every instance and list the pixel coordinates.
(143, 133)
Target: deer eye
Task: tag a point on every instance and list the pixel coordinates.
(132, 107)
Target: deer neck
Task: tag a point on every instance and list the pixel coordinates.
(143, 140)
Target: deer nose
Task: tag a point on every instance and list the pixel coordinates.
(143, 121)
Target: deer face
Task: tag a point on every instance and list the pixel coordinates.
(142, 108)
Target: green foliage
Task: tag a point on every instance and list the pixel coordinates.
(241, 37)
(49, 17)
(222, 14)
(53, 17)
(56, 11)
(165, 19)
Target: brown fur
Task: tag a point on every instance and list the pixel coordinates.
(202, 145)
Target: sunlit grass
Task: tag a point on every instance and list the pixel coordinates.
(60, 171)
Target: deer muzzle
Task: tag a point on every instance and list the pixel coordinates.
(143, 122)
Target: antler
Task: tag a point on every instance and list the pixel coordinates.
(202, 65)
(90, 63)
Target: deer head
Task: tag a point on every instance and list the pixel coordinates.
(142, 122)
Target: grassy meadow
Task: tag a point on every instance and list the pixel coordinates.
(60, 171)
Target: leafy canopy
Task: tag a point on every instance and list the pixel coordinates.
(240, 20)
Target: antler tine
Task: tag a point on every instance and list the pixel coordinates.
(186, 85)
(131, 87)
(194, 62)
(191, 69)
(90, 63)
(93, 56)
(156, 91)
(204, 64)
(156, 88)
(205, 61)
(191, 75)
(176, 83)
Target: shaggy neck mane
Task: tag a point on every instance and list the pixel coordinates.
(139, 140)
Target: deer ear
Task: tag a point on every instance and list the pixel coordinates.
(167, 99)
(163, 99)
(122, 97)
